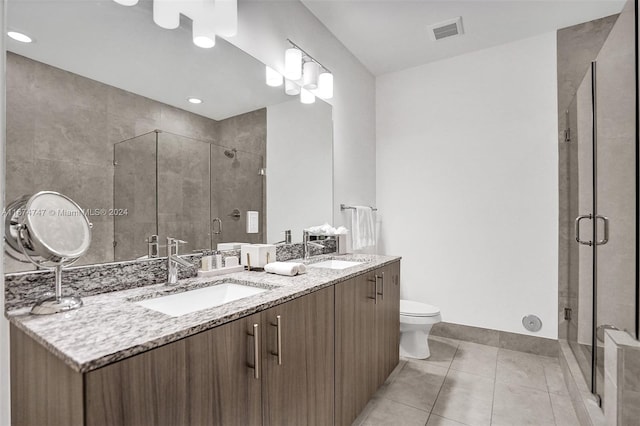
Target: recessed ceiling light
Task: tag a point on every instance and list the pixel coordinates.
(22, 38)
(195, 100)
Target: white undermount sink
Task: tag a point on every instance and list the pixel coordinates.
(202, 298)
(335, 264)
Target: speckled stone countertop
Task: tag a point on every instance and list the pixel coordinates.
(110, 327)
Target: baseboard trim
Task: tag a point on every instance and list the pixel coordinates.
(500, 339)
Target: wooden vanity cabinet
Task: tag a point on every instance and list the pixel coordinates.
(206, 379)
(210, 378)
(367, 316)
(333, 349)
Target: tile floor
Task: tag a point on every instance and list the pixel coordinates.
(465, 383)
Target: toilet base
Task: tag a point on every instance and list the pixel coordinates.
(414, 343)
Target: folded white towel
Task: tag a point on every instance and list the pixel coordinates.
(285, 268)
(363, 231)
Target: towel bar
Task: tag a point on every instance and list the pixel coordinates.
(345, 207)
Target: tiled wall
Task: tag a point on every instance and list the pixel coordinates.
(236, 182)
(61, 129)
(622, 379)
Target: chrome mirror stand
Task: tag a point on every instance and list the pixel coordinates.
(50, 231)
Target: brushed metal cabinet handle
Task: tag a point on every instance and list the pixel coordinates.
(278, 326)
(375, 289)
(381, 278)
(256, 352)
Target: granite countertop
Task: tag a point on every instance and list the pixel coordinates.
(110, 326)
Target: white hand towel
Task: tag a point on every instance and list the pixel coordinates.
(284, 268)
(363, 231)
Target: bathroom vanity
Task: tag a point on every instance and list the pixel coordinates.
(311, 350)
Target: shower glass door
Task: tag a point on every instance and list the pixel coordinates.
(134, 194)
(615, 186)
(602, 180)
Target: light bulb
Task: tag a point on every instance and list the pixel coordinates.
(226, 14)
(273, 77)
(310, 75)
(325, 85)
(203, 33)
(291, 88)
(293, 64)
(306, 97)
(127, 2)
(22, 38)
(166, 14)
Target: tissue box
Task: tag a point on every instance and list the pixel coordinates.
(257, 255)
(230, 246)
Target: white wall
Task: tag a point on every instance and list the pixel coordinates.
(263, 28)
(299, 168)
(467, 183)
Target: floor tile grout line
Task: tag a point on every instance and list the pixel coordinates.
(495, 381)
(442, 385)
(553, 413)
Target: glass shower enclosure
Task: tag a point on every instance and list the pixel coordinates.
(185, 188)
(602, 138)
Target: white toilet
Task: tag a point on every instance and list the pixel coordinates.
(416, 320)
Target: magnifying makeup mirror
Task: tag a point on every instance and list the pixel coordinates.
(51, 231)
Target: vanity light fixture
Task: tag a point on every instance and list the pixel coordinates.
(304, 71)
(209, 17)
(273, 77)
(306, 97)
(195, 100)
(22, 38)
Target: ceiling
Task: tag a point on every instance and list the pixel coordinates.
(122, 47)
(392, 35)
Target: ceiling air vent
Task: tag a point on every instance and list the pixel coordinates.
(450, 28)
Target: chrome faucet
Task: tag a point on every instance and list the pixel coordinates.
(306, 243)
(173, 260)
(287, 237)
(153, 247)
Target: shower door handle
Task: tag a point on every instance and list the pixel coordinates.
(604, 240)
(577, 229)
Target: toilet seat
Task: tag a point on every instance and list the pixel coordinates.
(412, 308)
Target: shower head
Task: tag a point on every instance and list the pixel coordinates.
(230, 153)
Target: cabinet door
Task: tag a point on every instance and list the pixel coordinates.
(355, 346)
(203, 379)
(223, 388)
(299, 361)
(389, 317)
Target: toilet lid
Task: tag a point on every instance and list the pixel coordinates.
(417, 309)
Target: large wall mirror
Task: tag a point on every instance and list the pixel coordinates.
(97, 109)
